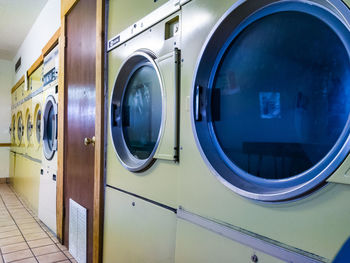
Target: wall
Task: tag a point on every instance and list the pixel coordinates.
(45, 26)
(6, 69)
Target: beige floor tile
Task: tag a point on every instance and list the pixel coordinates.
(22, 216)
(11, 233)
(40, 242)
(35, 236)
(62, 247)
(49, 258)
(7, 223)
(11, 240)
(35, 229)
(27, 260)
(23, 221)
(45, 250)
(65, 261)
(28, 226)
(8, 228)
(17, 255)
(14, 247)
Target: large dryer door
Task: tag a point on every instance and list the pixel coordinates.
(143, 110)
(270, 106)
(50, 128)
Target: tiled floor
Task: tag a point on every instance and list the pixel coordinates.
(23, 237)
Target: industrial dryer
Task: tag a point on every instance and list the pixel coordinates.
(142, 148)
(265, 90)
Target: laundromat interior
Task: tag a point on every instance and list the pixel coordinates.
(175, 131)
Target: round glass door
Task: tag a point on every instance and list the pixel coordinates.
(20, 129)
(29, 128)
(271, 112)
(13, 134)
(38, 126)
(136, 112)
(50, 128)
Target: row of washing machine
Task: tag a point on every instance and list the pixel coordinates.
(228, 131)
(33, 157)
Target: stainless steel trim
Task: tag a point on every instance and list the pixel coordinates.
(136, 165)
(47, 152)
(27, 157)
(197, 103)
(247, 238)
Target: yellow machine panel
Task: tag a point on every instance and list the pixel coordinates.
(28, 127)
(197, 245)
(137, 231)
(35, 80)
(26, 180)
(123, 14)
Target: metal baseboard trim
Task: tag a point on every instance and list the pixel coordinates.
(244, 237)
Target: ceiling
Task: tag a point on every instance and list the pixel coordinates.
(16, 19)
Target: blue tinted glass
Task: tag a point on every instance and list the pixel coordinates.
(14, 130)
(280, 97)
(142, 111)
(19, 130)
(50, 128)
(38, 125)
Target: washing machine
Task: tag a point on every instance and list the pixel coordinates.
(142, 147)
(28, 126)
(264, 131)
(12, 130)
(20, 130)
(47, 189)
(36, 86)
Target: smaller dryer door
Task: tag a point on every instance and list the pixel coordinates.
(20, 129)
(50, 128)
(29, 127)
(13, 130)
(143, 112)
(37, 123)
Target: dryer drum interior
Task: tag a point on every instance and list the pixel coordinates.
(50, 128)
(29, 128)
(270, 106)
(13, 128)
(137, 111)
(38, 125)
(20, 128)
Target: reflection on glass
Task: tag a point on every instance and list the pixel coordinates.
(38, 126)
(14, 130)
(50, 128)
(29, 128)
(280, 98)
(19, 130)
(142, 111)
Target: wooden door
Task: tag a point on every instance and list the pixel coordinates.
(80, 90)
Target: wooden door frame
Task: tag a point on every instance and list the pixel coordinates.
(98, 210)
